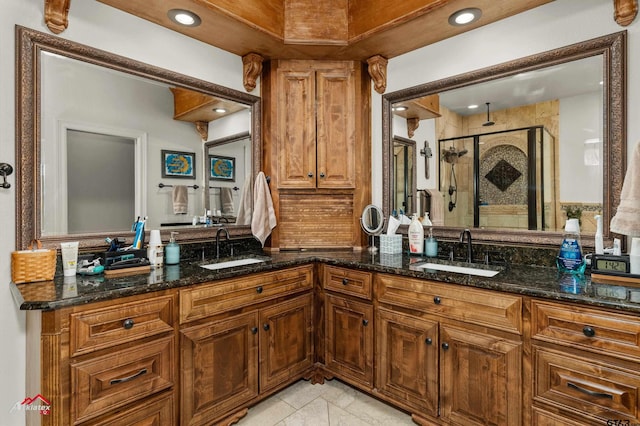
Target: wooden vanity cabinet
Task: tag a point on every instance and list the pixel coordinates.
(104, 364)
(241, 338)
(349, 325)
(447, 353)
(585, 365)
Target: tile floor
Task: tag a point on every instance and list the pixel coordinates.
(333, 403)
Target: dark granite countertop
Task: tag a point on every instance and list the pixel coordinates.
(536, 281)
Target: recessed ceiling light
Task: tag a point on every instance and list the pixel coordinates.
(400, 108)
(473, 106)
(220, 110)
(465, 16)
(184, 17)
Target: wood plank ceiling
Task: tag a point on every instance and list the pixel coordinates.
(322, 29)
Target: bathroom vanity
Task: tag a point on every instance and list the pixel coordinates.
(196, 346)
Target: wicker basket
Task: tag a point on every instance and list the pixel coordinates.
(33, 265)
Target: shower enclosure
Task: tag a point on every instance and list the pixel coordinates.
(502, 179)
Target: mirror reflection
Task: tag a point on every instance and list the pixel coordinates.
(511, 142)
(93, 130)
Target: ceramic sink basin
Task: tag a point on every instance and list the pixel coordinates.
(469, 270)
(232, 263)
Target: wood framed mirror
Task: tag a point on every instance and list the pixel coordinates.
(31, 47)
(611, 49)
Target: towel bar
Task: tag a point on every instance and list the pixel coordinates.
(162, 185)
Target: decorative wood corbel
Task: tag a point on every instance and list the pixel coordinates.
(378, 72)
(625, 11)
(252, 68)
(56, 15)
(412, 125)
(202, 127)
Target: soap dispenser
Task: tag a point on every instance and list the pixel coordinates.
(172, 251)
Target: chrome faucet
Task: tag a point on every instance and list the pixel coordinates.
(469, 248)
(218, 240)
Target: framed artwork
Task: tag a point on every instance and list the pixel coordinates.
(176, 164)
(222, 168)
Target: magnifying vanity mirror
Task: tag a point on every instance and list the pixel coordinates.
(92, 130)
(372, 222)
(542, 124)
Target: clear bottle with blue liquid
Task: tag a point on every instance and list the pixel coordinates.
(570, 259)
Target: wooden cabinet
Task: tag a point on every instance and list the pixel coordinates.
(449, 354)
(349, 327)
(317, 151)
(106, 364)
(585, 365)
(229, 358)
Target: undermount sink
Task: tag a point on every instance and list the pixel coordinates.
(469, 270)
(232, 263)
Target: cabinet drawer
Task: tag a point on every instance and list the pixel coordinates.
(589, 388)
(586, 328)
(157, 412)
(544, 418)
(102, 328)
(481, 307)
(347, 281)
(108, 382)
(225, 295)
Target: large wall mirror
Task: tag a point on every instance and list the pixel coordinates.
(546, 141)
(103, 139)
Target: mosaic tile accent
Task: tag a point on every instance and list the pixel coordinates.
(503, 175)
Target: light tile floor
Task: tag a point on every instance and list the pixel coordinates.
(333, 403)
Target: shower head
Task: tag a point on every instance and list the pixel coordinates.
(488, 122)
(451, 155)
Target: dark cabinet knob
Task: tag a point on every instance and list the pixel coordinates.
(254, 330)
(345, 281)
(310, 174)
(437, 300)
(428, 341)
(365, 322)
(265, 327)
(128, 324)
(445, 346)
(259, 289)
(588, 331)
(322, 174)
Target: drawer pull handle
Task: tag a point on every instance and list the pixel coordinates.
(259, 289)
(128, 324)
(345, 281)
(365, 322)
(129, 378)
(588, 331)
(589, 392)
(437, 300)
(428, 341)
(445, 346)
(265, 326)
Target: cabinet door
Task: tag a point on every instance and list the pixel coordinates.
(286, 341)
(480, 378)
(336, 130)
(296, 124)
(219, 368)
(349, 339)
(407, 360)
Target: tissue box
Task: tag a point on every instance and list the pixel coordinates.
(390, 244)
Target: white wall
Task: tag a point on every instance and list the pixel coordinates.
(547, 27)
(97, 25)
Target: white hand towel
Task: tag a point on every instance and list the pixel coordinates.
(627, 218)
(180, 199)
(244, 209)
(226, 201)
(264, 217)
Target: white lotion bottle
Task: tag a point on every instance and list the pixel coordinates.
(416, 236)
(598, 238)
